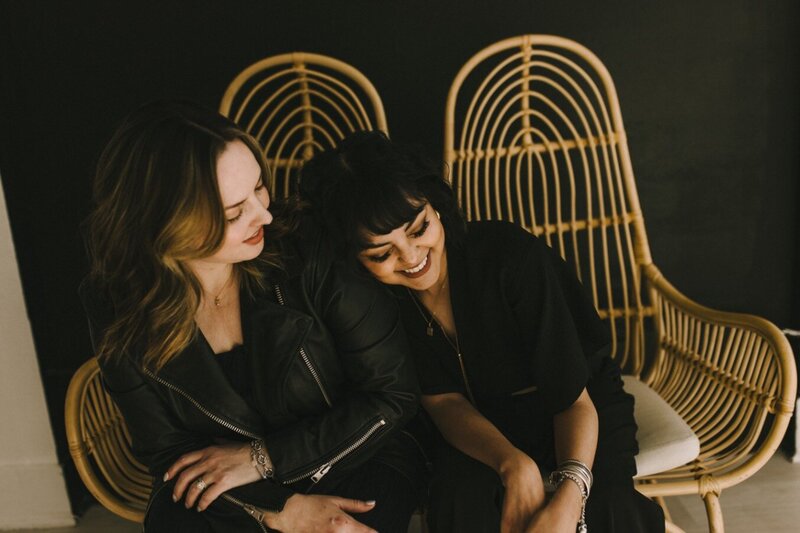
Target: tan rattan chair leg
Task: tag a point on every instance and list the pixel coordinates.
(663, 503)
(672, 528)
(714, 512)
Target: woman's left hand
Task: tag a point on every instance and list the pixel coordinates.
(220, 468)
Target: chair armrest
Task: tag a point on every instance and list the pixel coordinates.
(731, 376)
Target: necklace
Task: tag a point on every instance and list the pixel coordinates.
(452, 342)
(218, 297)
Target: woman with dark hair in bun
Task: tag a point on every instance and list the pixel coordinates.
(512, 357)
(263, 385)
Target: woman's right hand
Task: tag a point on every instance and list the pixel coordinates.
(312, 513)
(524, 494)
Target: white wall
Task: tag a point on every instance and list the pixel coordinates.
(32, 489)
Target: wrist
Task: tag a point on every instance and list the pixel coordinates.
(568, 499)
(515, 463)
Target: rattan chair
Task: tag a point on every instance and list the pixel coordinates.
(534, 135)
(298, 104)
(100, 446)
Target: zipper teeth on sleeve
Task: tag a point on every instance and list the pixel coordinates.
(319, 472)
(306, 359)
(202, 409)
(257, 515)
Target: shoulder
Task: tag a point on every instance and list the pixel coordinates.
(503, 242)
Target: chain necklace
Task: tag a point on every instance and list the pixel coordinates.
(218, 297)
(452, 342)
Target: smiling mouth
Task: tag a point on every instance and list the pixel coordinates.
(256, 237)
(418, 267)
(419, 270)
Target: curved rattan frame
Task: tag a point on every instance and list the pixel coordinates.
(299, 103)
(731, 376)
(99, 444)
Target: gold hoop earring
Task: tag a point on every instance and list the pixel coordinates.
(437, 214)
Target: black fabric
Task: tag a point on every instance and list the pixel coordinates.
(523, 319)
(361, 391)
(234, 365)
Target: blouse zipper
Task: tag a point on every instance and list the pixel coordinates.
(202, 409)
(318, 473)
(305, 357)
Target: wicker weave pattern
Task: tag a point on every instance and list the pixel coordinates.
(298, 104)
(101, 446)
(534, 135)
(538, 143)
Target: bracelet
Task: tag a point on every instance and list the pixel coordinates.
(260, 459)
(581, 475)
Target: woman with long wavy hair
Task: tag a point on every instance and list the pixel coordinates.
(262, 385)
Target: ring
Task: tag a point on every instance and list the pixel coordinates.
(200, 484)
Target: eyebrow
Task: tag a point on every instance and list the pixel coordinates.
(405, 227)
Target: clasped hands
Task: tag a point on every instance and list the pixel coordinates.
(524, 507)
(202, 476)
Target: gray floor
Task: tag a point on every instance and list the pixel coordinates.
(769, 502)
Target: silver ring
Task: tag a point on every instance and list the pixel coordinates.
(200, 484)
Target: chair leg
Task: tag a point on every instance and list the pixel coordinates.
(663, 504)
(672, 528)
(714, 512)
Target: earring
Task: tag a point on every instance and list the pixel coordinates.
(437, 214)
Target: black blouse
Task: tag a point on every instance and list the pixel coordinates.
(523, 320)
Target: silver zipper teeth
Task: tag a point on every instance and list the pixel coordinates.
(317, 474)
(202, 409)
(252, 510)
(306, 359)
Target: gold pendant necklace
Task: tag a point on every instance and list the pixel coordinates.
(218, 297)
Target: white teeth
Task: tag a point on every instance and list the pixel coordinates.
(418, 267)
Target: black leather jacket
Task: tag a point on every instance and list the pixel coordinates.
(330, 380)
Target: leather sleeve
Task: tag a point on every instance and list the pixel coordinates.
(373, 352)
(159, 438)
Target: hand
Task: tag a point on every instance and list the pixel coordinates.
(562, 512)
(524, 494)
(326, 514)
(221, 468)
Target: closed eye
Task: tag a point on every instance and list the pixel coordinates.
(421, 231)
(379, 258)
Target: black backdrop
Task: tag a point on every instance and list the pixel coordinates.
(708, 91)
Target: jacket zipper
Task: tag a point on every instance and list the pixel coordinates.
(252, 510)
(318, 473)
(202, 409)
(305, 357)
(249, 509)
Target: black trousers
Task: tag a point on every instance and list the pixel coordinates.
(397, 495)
(467, 496)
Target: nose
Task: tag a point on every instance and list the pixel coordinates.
(267, 217)
(409, 254)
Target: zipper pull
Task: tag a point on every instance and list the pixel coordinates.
(253, 511)
(324, 469)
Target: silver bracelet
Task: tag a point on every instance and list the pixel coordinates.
(260, 459)
(581, 475)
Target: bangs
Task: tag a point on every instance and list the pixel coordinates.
(381, 210)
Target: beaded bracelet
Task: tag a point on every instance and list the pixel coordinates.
(260, 459)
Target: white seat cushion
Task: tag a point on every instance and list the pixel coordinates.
(665, 440)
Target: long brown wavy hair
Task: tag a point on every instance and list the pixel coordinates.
(156, 205)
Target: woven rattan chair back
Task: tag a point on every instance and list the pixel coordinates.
(533, 135)
(298, 104)
(100, 446)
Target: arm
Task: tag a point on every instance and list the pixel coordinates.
(364, 368)
(575, 431)
(470, 432)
